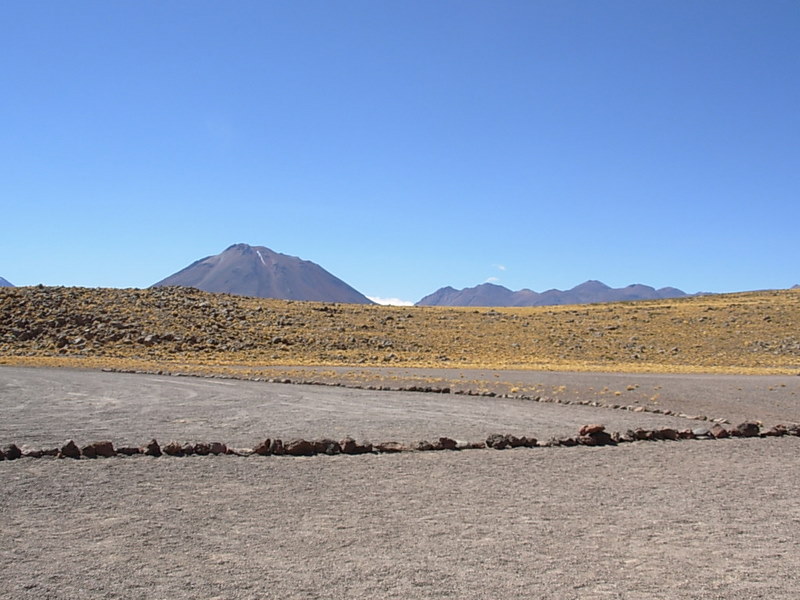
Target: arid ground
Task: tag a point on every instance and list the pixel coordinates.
(687, 519)
(643, 520)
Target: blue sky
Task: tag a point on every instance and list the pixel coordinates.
(404, 145)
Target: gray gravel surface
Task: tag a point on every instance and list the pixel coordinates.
(692, 519)
(647, 520)
(47, 406)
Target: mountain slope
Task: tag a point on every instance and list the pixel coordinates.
(5, 283)
(259, 272)
(589, 292)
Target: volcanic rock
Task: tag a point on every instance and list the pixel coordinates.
(69, 450)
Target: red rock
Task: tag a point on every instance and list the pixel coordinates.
(173, 449)
(104, 448)
(350, 446)
(128, 450)
(263, 449)
(89, 451)
(391, 447)
(12, 452)
(446, 443)
(776, 431)
(667, 433)
(719, 432)
(202, 449)
(590, 429)
(69, 450)
(218, 448)
(152, 449)
(746, 429)
(299, 447)
(326, 446)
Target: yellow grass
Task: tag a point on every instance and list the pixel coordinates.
(181, 329)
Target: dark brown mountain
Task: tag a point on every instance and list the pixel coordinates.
(259, 272)
(5, 283)
(489, 294)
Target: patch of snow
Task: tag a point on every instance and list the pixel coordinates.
(390, 301)
(263, 262)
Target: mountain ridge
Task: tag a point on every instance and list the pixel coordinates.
(6, 283)
(588, 292)
(259, 272)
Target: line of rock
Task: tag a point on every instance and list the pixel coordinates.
(638, 408)
(588, 435)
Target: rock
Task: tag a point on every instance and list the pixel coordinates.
(202, 449)
(446, 443)
(173, 449)
(590, 429)
(2, 454)
(187, 449)
(667, 433)
(152, 449)
(350, 446)
(263, 448)
(241, 451)
(128, 450)
(28, 452)
(89, 451)
(599, 438)
(299, 447)
(11, 452)
(498, 441)
(746, 429)
(423, 446)
(719, 432)
(776, 431)
(686, 434)
(69, 450)
(276, 448)
(701, 432)
(217, 448)
(103, 448)
(390, 447)
(326, 446)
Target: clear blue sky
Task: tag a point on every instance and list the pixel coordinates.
(404, 145)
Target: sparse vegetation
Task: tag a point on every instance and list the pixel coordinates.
(180, 328)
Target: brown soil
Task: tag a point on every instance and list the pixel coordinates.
(177, 327)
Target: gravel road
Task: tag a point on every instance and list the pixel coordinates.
(693, 519)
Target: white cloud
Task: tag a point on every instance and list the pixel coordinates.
(492, 280)
(500, 267)
(390, 301)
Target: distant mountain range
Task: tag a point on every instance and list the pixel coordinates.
(259, 272)
(489, 294)
(5, 283)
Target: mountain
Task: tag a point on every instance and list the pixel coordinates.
(258, 271)
(589, 292)
(5, 283)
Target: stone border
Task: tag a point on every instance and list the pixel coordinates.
(638, 408)
(588, 435)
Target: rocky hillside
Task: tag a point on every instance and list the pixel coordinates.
(259, 272)
(750, 332)
(589, 292)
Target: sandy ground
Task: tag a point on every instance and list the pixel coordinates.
(710, 519)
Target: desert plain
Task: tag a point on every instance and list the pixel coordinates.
(692, 518)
